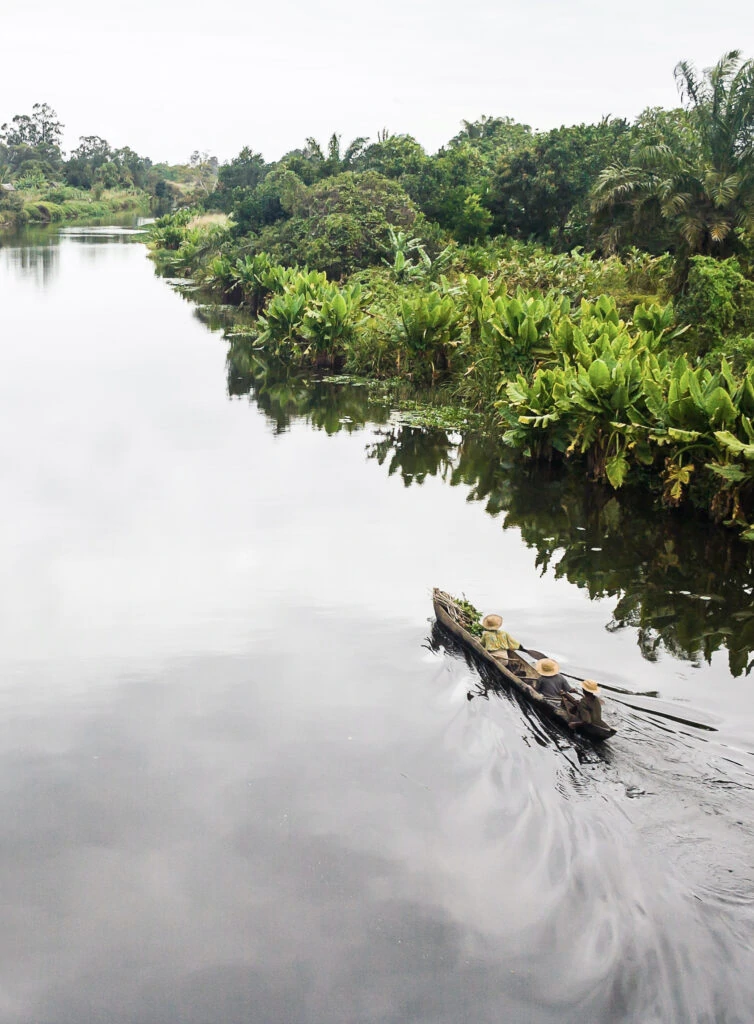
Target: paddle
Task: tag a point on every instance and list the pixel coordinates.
(605, 686)
(656, 707)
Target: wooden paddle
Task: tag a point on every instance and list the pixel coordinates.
(653, 707)
(605, 686)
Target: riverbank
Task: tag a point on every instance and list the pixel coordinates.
(573, 358)
(68, 205)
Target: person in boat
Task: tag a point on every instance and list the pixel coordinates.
(495, 640)
(588, 710)
(551, 684)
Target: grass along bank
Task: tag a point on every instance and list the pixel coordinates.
(64, 205)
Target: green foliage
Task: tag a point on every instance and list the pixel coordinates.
(281, 325)
(472, 617)
(180, 249)
(308, 319)
(696, 187)
(330, 323)
(524, 324)
(429, 329)
(340, 224)
(574, 354)
(168, 232)
(614, 401)
(718, 300)
(396, 156)
(542, 192)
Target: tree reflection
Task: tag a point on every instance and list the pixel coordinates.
(682, 583)
(38, 261)
(284, 396)
(414, 453)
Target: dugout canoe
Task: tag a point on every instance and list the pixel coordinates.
(516, 673)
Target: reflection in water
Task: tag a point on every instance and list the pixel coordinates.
(31, 262)
(286, 397)
(684, 585)
(33, 252)
(258, 852)
(237, 782)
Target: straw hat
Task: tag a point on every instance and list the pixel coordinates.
(547, 667)
(591, 686)
(492, 622)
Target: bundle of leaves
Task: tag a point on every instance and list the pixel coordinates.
(472, 616)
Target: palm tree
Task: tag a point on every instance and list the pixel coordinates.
(334, 162)
(701, 196)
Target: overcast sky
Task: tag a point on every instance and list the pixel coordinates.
(170, 76)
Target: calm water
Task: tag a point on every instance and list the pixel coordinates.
(240, 778)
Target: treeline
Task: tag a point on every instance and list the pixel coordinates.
(495, 177)
(673, 180)
(37, 178)
(630, 350)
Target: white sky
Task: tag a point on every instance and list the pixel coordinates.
(167, 77)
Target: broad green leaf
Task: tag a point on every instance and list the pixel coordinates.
(729, 472)
(732, 444)
(617, 470)
(720, 408)
(683, 435)
(599, 375)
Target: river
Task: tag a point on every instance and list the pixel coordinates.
(241, 778)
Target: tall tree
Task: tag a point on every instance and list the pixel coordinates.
(701, 193)
(41, 129)
(337, 159)
(542, 191)
(31, 142)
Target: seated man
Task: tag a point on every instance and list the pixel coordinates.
(551, 684)
(495, 640)
(589, 709)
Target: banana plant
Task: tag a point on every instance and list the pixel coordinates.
(330, 323)
(282, 325)
(525, 323)
(537, 412)
(249, 277)
(429, 327)
(403, 266)
(219, 275)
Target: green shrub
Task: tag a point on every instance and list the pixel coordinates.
(718, 300)
(339, 225)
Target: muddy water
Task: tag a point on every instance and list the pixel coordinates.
(240, 775)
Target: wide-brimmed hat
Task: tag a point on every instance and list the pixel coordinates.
(492, 622)
(547, 667)
(591, 686)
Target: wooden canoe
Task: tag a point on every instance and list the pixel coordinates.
(516, 672)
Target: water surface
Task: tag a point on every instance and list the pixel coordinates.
(241, 778)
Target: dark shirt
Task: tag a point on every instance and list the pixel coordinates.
(553, 686)
(589, 709)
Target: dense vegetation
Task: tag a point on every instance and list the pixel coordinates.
(39, 183)
(589, 288)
